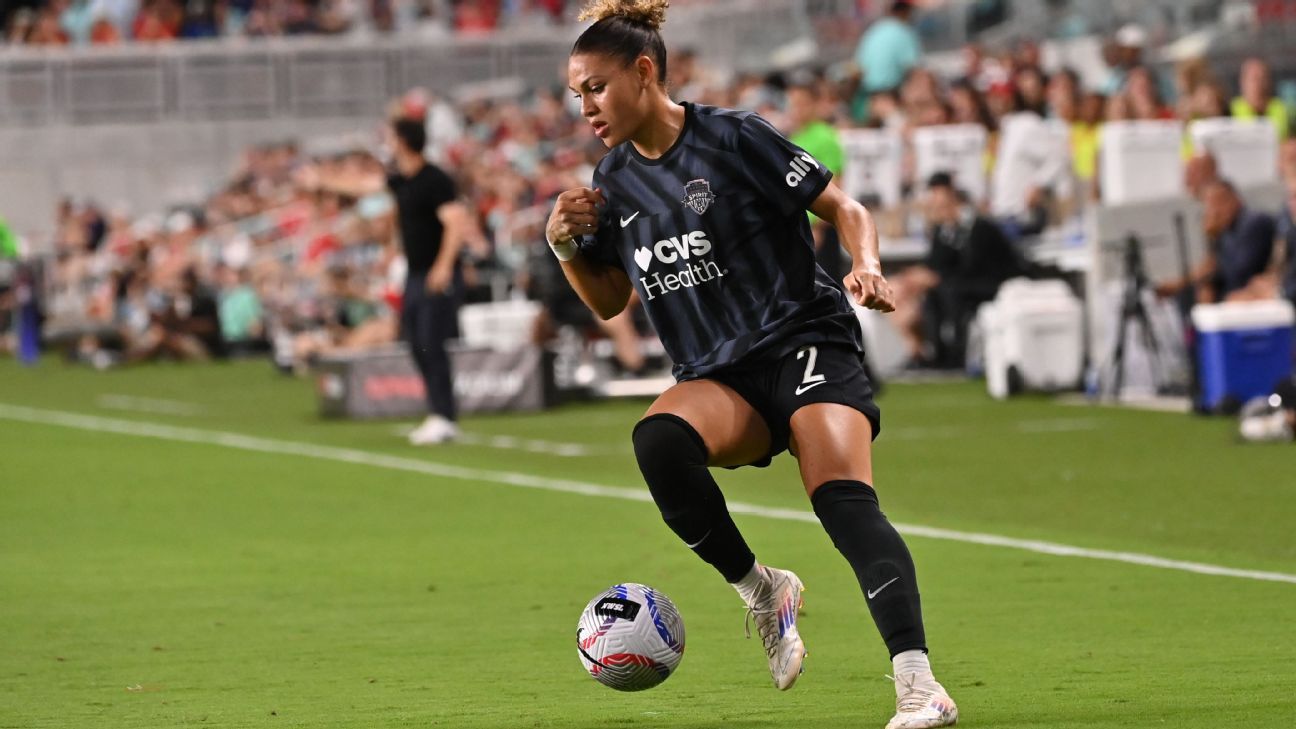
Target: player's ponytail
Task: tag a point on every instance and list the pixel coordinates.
(625, 29)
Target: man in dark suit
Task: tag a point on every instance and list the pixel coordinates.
(970, 257)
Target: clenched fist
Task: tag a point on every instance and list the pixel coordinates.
(574, 214)
(869, 289)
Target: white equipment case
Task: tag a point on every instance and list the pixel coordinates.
(1034, 338)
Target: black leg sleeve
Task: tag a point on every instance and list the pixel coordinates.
(860, 531)
(673, 457)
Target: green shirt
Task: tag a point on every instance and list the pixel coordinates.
(240, 309)
(1276, 112)
(820, 139)
(8, 241)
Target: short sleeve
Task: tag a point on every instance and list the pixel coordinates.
(441, 189)
(602, 247)
(787, 176)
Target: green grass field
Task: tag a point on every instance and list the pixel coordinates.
(216, 555)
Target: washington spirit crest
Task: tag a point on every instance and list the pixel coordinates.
(697, 195)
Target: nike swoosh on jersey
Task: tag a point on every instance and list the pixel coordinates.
(803, 388)
(626, 221)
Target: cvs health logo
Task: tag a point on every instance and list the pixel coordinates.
(674, 248)
(687, 249)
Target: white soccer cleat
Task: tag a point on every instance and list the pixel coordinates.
(434, 430)
(775, 608)
(921, 704)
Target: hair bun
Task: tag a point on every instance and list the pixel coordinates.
(649, 13)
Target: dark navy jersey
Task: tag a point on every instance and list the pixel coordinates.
(714, 236)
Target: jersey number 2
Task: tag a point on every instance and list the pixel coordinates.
(810, 379)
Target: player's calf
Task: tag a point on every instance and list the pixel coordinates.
(850, 514)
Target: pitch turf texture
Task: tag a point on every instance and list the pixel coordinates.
(151, 579)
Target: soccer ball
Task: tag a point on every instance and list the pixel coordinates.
(630, 637)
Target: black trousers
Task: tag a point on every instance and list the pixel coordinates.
(427, 321)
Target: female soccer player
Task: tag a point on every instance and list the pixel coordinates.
(702, 211)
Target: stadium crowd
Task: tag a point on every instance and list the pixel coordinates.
(110, 22)
(295, 252)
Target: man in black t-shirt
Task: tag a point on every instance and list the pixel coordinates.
(427, 213)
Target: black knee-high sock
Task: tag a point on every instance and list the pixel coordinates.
(860, 531)
(673, 458)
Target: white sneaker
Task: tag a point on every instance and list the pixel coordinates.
(1266, 427)
(434, 430)
(921, 704)
(775, 608)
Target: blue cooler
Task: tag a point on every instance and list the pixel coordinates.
(1242, 349)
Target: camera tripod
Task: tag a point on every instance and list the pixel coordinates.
(1134, 312)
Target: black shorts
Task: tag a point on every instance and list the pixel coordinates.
(811, 374)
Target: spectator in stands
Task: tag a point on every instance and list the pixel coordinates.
(885, 112)
(349, 318)
(1257, 99)
(1240, 245)
(21, 22)
(1199, 173)
(241, 315)
(158, 20)
(183, 326)
(888, 50)
(919, 87)
(1208, 100)
(47, 31)
(1124, 53)
(1030, 90)
(970, 257)
(968, 105)
(203, 19)
(1032, 170)
(1143, 96)
(1064, 104)
(1189, 75)
(104, 33)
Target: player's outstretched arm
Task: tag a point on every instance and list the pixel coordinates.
(859, 237)
(604, 289)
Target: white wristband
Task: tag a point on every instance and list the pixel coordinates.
(564, 250)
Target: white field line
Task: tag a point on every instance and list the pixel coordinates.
(1057, 425)
(367, 458)
(535, 445)
(1041, 426)
(151, 405)
(530, 445)
(919, 433)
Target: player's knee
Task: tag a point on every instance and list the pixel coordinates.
(669, 452)
(664, 441)
(667, 447)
